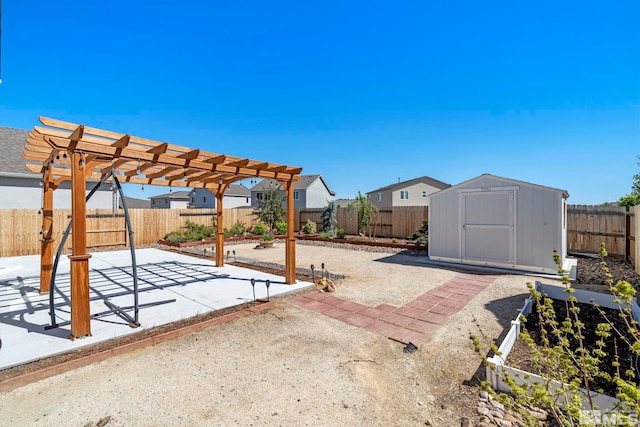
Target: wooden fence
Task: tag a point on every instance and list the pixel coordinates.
(395, 222)
(589, 226)
(20, 228)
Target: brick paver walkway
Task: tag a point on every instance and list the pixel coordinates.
(412, 323)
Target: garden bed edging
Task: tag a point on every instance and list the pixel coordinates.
(497, 368)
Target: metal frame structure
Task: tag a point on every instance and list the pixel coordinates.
(66, 151)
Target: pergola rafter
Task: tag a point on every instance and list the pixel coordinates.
(63, 151)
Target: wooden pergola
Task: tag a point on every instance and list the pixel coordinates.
(65, 151)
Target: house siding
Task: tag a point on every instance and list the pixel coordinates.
(415, 195)
(26, 193)
(315, 196)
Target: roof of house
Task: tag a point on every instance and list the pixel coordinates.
(233, 190)
(302, 184)
(11, 146)
(565, 193)
(237, 190)
(343, 203)
(424, 179)
(174, 195)
(133, 203)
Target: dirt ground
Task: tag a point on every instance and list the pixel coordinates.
(290, 366)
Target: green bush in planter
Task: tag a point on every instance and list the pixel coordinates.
(340, 233)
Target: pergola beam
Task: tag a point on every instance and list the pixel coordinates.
(69, 151)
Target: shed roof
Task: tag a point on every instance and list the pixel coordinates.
(424, 179)
(565, 193)
(11, 146)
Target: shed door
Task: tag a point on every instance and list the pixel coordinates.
(488, 219)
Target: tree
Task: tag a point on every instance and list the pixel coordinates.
(633, 198)
(635, 187)
(365, 210)
(328, 219)
(270, 209)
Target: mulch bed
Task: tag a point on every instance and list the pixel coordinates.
(520, 355)
(591, 277)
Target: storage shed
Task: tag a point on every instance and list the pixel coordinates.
(499, 222)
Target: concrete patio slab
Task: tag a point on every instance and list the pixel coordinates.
(196, 285)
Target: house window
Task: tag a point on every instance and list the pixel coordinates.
(204, 199)
(379, 197)
(153, 201)
(260, 196)
(193, 200)
(404, 195)
(296, 195)
(424, 194)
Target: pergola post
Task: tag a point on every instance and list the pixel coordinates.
(80, 307)
(220, 233)
(46, 248)
(290, 252)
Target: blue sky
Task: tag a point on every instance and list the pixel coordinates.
(364, 93)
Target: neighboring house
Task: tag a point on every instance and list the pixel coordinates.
(172, 200)
(500, 222)
(310, 191)
(414, 192)
(237, 195)
(133, 203)
(21, 189)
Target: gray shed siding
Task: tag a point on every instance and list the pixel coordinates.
(539, 223)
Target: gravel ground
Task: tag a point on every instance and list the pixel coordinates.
(289, 366)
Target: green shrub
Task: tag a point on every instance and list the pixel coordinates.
(237, 229)
(281, 227)
(325, 235)
(196, 232)
(175, 237)
(309, 227)
(266, 237)
(340, 233)
(259, 229)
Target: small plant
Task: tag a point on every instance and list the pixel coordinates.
(340, 233)
(365, 211)
(421, 236)
(175, 237)
(192, 232)
(325, 235)
(266, 237)
(328, 218)
(309, 227)
(281, 227)
(259, 229)
(238, 229)
(564, 357)
(394, 240)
